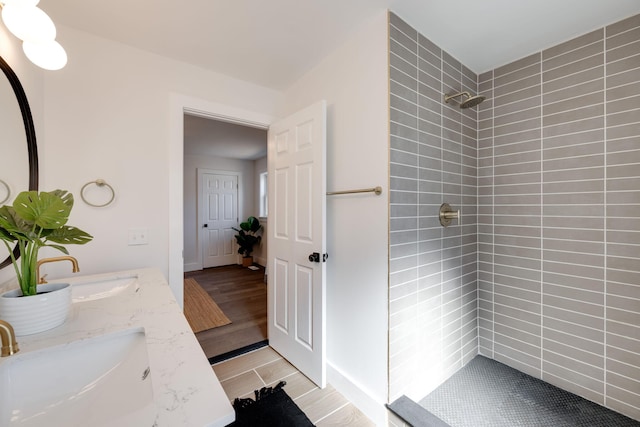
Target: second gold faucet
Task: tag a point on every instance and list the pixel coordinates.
(7, 339)
(74, 263)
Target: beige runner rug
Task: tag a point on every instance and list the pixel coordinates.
(200, 309)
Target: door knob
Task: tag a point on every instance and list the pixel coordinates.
(315, 257)
(205, 226)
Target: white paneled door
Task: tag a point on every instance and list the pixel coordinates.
(218, 203)
(296, 279)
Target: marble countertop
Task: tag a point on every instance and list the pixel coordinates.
(186, 390)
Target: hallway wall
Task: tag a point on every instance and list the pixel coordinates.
(260, 251)
(559, 215)
(432, 281)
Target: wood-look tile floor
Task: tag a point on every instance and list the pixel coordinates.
(242, 375)
(242, 295)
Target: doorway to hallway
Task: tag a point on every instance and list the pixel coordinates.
(221, 169)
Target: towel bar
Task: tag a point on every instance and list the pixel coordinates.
(377, 190)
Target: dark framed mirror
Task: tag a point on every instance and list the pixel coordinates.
(21, 152)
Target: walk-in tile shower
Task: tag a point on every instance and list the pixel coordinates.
(542, 273)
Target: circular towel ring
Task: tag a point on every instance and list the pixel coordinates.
(99, 183)
(8, 191)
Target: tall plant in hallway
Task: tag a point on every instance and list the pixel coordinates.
(247, 237)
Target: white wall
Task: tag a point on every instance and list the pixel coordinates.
(107, 115)
(353, 80)
(246, 198)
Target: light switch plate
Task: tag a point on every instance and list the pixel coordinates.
(138, 236)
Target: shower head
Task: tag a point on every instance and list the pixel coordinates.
(471, 101)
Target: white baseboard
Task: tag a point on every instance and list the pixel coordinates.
(192, 266)
(374, 410)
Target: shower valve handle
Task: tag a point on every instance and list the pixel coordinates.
(446, 215)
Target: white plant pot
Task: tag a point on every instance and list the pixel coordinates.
(36, 313)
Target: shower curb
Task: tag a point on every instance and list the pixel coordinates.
(414, 414)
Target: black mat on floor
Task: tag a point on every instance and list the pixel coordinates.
(486, 393)
(272, 407)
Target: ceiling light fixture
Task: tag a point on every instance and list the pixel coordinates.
(37, 32)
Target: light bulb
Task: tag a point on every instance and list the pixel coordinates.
(22, 2)
(28, 23)
(49, 55)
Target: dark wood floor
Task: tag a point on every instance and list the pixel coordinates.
(242, 295)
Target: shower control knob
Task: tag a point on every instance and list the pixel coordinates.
(446, 214)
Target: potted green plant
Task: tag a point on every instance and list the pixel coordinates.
(36, 220)
(247, 238)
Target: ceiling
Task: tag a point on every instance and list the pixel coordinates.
(274, 42)
(206, 137)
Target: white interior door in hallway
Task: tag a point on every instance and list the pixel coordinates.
(218, 201)
(296, 294)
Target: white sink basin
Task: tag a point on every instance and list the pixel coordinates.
(104, 288)
(101, 381)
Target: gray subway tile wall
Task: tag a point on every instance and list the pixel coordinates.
(622, 217)
(547, 174)
(559, 223)
(573, 177)
(433, 156)
(513, 318)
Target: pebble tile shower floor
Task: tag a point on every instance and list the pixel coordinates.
(487, 393)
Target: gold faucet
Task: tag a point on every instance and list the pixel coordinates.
(8, 339)
(74, 262)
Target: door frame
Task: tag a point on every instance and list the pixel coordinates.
(179, 105)
(240, 207)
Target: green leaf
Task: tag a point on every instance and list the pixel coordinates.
(4, 235)
(60, 248)
(48, 210)
(67, 235)
(12, 227)
(254, 224)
